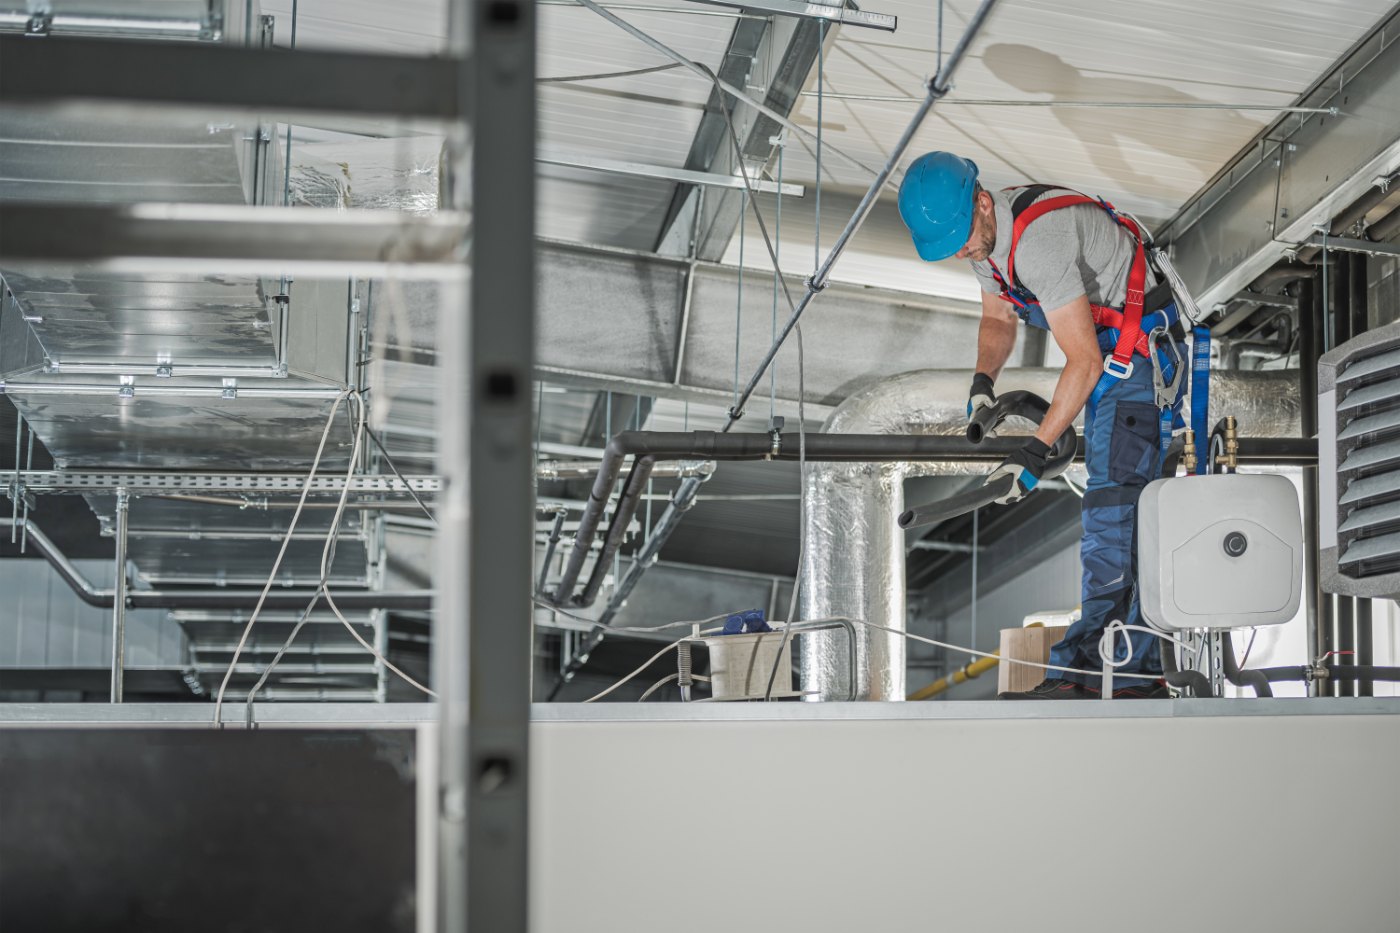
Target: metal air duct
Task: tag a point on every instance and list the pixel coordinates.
(853, 546)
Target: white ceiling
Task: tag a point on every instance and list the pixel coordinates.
(1148, 161)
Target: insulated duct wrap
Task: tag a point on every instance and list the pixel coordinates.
(854, 549)
(374, 174)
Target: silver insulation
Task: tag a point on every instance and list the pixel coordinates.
(400, 174)
(853, 547)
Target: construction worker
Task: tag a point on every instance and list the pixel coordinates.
(1056, 259)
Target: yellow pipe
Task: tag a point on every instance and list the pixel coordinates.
(967, 672)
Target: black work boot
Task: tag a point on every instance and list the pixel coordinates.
(1157, 690)
(1054, 688)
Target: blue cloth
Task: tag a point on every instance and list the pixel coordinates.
(1123, 454)
(1123, 429)
(750, 622)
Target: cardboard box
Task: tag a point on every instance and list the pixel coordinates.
(1026, 644)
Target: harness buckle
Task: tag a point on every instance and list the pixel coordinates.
(1116, 369)
(1166, 392)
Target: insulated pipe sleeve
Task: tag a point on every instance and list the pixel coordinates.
(1198, 683)
(1013, 404)
(1239, 678)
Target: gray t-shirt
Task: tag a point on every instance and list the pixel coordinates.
(1069, 252)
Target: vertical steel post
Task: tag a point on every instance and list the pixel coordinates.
(1361, 619)
(1344, 298)
(1307, 382)
(119, 599)
(484, 643)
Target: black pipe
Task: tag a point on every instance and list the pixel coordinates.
(1385, 228)
(820, 448)
(1354, 672)
(1347, 217)
(1240, 678)
(549, 550)
(1198, 683)
(1019, 404)
(1365, 647)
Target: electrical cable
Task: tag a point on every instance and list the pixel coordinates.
(646, 664)
(359, 430)
(325, 562)
(1254, 631)
(390, 460)
(658, 685)
(544, 604)
(277, 564)
(666, 680)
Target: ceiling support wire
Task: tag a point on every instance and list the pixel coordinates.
(739, 292)
(777, 271)
(939, 45)
(1091, 104)
(14, 489)
(727, 88)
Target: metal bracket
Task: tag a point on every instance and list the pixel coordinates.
(230, 388)
(40, 24)
(164, 370)
(127, 389)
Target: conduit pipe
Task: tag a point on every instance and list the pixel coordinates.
(208, 599)
(853, 546)
(955, 452)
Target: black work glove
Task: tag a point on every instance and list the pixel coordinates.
(1026, 466)
(980, 395)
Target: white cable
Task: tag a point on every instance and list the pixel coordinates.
(322, 587)
(277, 564)
(326, 553)
(1107, 644)
(645, 665)
(981, 654)
(658, 685)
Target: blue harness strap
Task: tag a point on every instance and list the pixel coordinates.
(1200, 395)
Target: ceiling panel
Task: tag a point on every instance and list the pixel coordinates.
(1148, 161)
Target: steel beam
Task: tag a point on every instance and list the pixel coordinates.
(52, 70)
(119, 598)
(667, 173)
(232, 239)
(288, 484)
(1296, 174)
(844, 14)
(1347, 245)
(486, 538)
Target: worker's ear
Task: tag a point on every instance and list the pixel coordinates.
(984, 202)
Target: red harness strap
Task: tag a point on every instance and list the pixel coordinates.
(1127, 322)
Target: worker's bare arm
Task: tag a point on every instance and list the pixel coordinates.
(996, 336)
(1073, 328)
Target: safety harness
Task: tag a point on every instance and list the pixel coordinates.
(1158, 343)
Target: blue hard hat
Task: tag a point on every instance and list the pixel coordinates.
(936, 203)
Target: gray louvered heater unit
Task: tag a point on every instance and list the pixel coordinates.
(1359, 465)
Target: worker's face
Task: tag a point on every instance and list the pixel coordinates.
(984, 231)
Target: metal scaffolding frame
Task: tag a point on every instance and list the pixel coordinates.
(484, 645)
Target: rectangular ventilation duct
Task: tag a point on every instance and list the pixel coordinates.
(1359, 465)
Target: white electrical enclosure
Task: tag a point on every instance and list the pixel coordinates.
(1220, 551)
